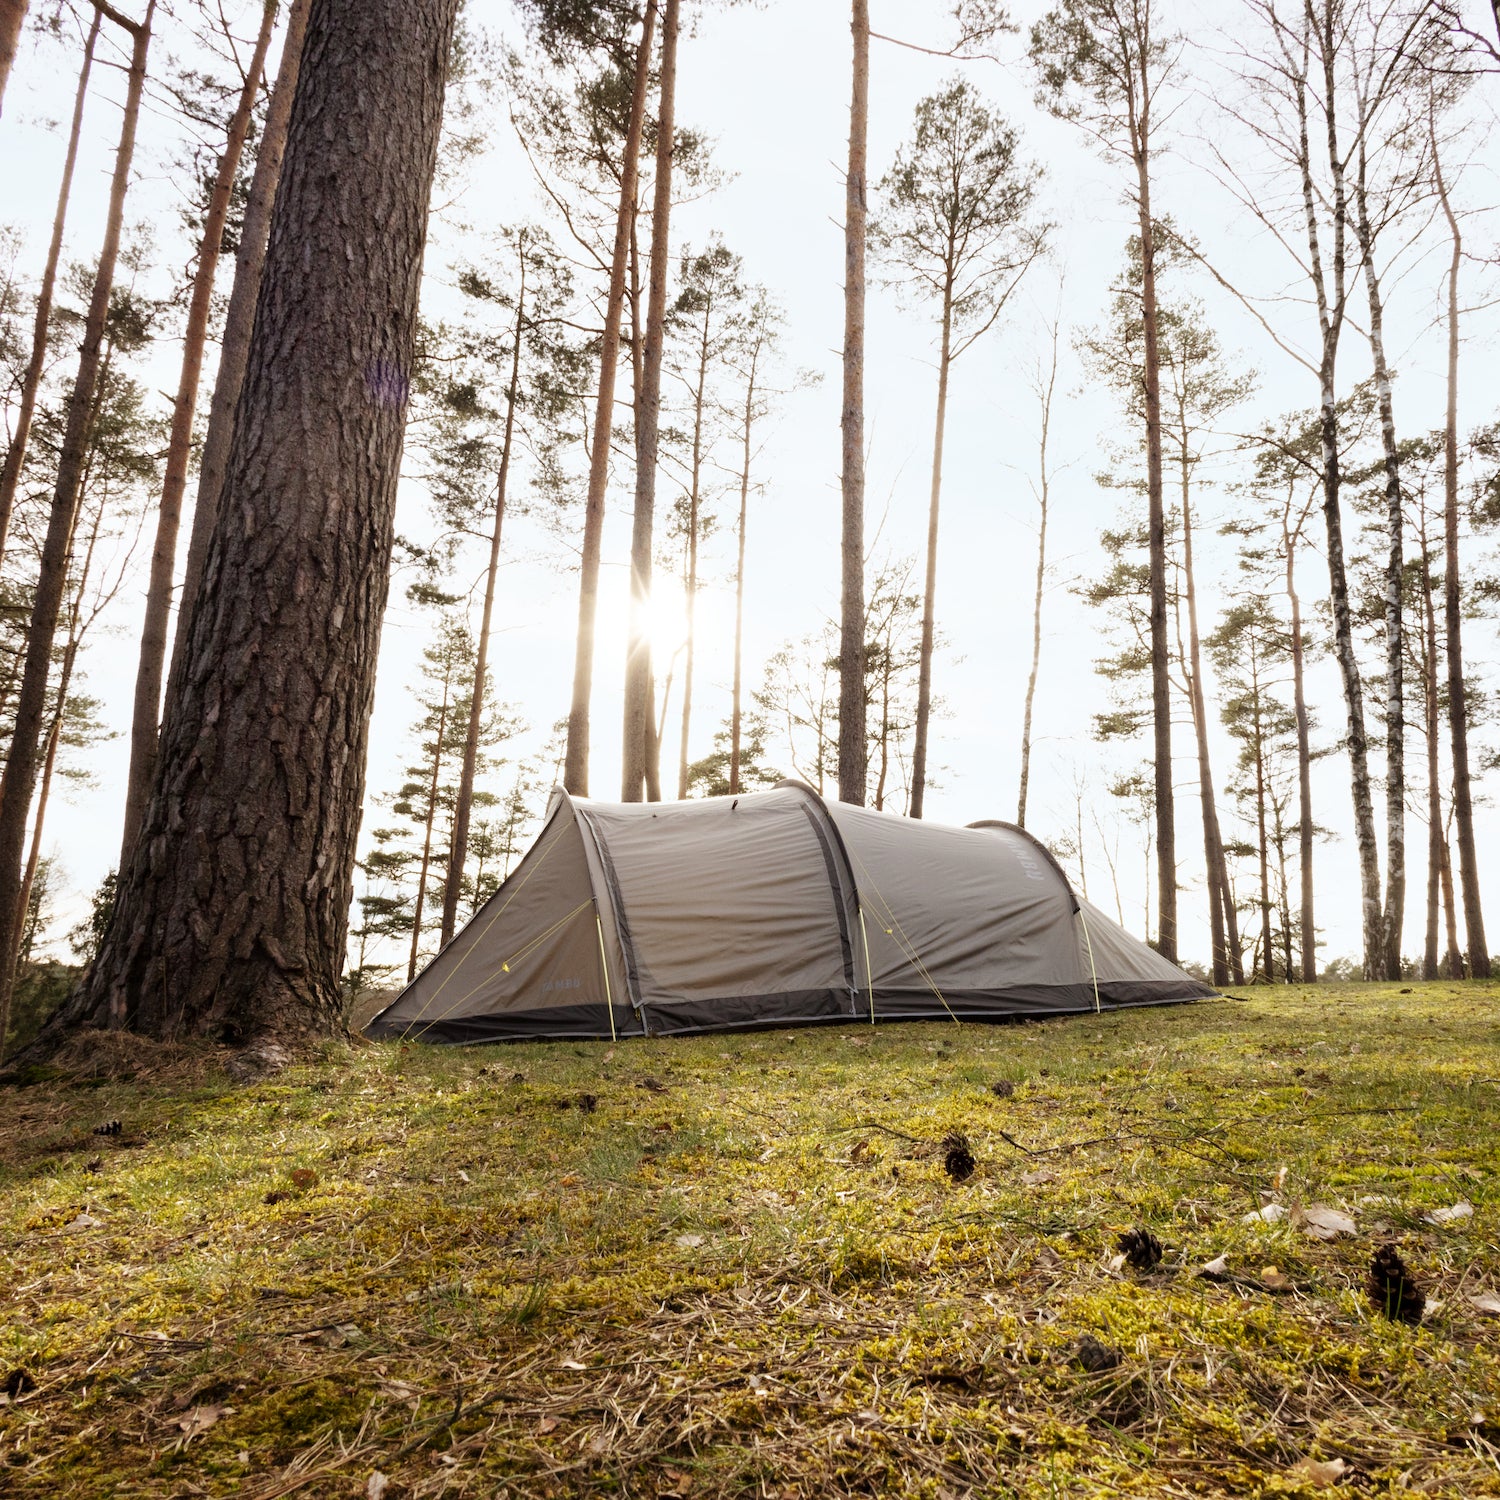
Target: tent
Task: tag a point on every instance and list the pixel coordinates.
(773, 908)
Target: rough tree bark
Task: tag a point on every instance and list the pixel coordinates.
(638, 748)
(19, 781)
(12, 18)
(852, 749)
(929, 587)
(232, 916)
(1043, 492)
(153, 653)
(31, 377)
(458, 849)
(234, 347)
(1432, 718)
(576, 760)
(1308, 931)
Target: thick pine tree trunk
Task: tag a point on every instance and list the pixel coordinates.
(852, 749)
(234, 347)
(232, 916)
(31, 377)
(19, 781)
(576, 761)
(12, 18)
(1161, 681)
(929, 588)
(638, 750)
(1395, 570)
(458, 849)
(153, 653)
(1458, 707)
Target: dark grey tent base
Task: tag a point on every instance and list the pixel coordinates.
(805, 1008)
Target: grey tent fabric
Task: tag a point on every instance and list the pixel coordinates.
(773, 908)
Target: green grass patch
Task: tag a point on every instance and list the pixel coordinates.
(443, 1267)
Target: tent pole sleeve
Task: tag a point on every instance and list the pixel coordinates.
(617, 908)
(1040, 848)
(1089, 944)
(609, 999)
(864, 938)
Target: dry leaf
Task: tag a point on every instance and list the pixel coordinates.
(688, 1241)
(1320, 1222)
(1485, 1302)
(1316, 1471)
(83, 1221)
(200, 1419)
(304, 1177)
(1272, 1279)
(572, 1364)
(1038, 1177)
(1216, 1269)
(571, 1180)
(1460, 1210)
(546, 1425)
(463, 1176)
(375, 1486)
(1272, 1213)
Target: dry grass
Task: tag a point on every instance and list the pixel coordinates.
(436, 1267)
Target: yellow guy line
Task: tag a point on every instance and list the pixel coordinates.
(1088, 943)
(609, 1002)
(864, 937)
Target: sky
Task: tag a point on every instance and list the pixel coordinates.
(769, 84)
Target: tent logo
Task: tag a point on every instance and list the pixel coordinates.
(561, 984)
(1030, 864)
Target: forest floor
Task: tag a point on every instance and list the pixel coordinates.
(738, 1265)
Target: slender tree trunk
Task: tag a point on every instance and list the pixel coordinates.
(234, 347)
(1331, 320)
(929, 589)
(1043, 496)
(852, 749)
(19, 781)
(1450, 916)
(1223, 924)
(1260, 820)
(31, 378)
(638, 757)
(691, 572)
(1458, 707)
(1395, 573)
(12, 18)
(1431, 712)
(736, 714)
(1161, 681)
(458, 850)
(153, 654)
(232, 916)
(1305, 920)
(420, 900)
(576, 762)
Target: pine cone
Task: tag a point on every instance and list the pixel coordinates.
(1392, 1289)
(958, 1159)
(1140, 1248)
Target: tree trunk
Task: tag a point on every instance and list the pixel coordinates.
(12, 18)
(1043, 495)
(19, 779)
(736, 715)
(420, 900)
(1395, 571)
(31, 378)
(638, 750)
(232, 917)
(1260, 822)
(1450, 916)
(458, 849)
(1161, 682)
(691, 572)
(1331, 319)
(234, 347)
(1431, 711)
(852, 747)
(153, 653)
(1305, 920)
(576, 762)
(1458, 707)
(929, 589)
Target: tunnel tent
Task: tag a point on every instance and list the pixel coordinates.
(773, 908)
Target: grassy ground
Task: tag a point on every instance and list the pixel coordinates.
(724, 1278)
